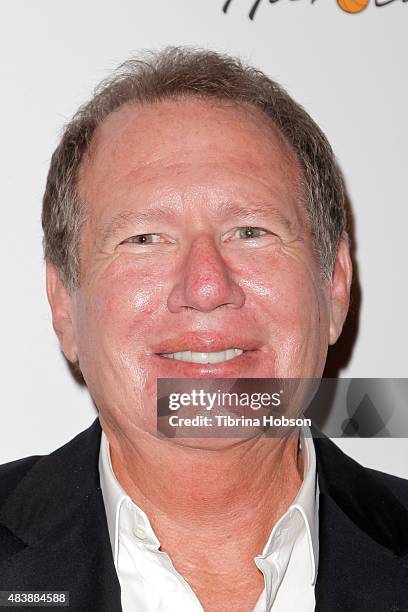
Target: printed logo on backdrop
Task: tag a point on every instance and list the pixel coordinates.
(348, 6)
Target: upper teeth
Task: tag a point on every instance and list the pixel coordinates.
(204, 357)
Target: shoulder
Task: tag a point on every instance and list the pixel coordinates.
(38, 492)
(12, 473)
(346, 480)
(69, 466)
(398, 486)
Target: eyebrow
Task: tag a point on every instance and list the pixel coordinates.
(264, 209)
(227, 209)
(128, 217)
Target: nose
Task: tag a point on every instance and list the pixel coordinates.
(205, 281)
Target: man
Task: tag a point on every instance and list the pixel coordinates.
(194, 227)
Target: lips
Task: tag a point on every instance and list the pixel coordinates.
(205, 342)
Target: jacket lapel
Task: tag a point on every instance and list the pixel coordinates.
(363, 538)
(57, 513)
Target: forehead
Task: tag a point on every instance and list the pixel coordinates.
(186, 140)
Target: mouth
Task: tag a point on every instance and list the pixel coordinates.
(211, 354)
(204, 357)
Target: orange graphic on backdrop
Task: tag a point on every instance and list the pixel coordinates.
(353, 6)
(349, 6)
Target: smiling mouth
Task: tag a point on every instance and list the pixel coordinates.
(207, 357)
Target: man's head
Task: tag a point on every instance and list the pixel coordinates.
(193, 206)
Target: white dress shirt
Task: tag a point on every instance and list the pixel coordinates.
(150, 583)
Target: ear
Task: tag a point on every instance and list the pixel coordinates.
(340, 289)
(62, 308)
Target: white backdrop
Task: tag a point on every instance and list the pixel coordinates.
(349, 71)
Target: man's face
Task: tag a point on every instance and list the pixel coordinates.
(196, 241)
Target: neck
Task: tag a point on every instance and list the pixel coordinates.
(242, 488)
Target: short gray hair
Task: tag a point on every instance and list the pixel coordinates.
(178, 72)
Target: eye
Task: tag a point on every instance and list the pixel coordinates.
(142, 239)
(249, 232)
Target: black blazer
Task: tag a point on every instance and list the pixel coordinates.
(54, 534)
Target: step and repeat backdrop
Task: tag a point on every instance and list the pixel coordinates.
(343, 60)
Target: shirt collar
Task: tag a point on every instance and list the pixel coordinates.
(113, 495)
(306, 501)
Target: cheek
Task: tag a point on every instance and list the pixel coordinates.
(288, 296)
(124, 303)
